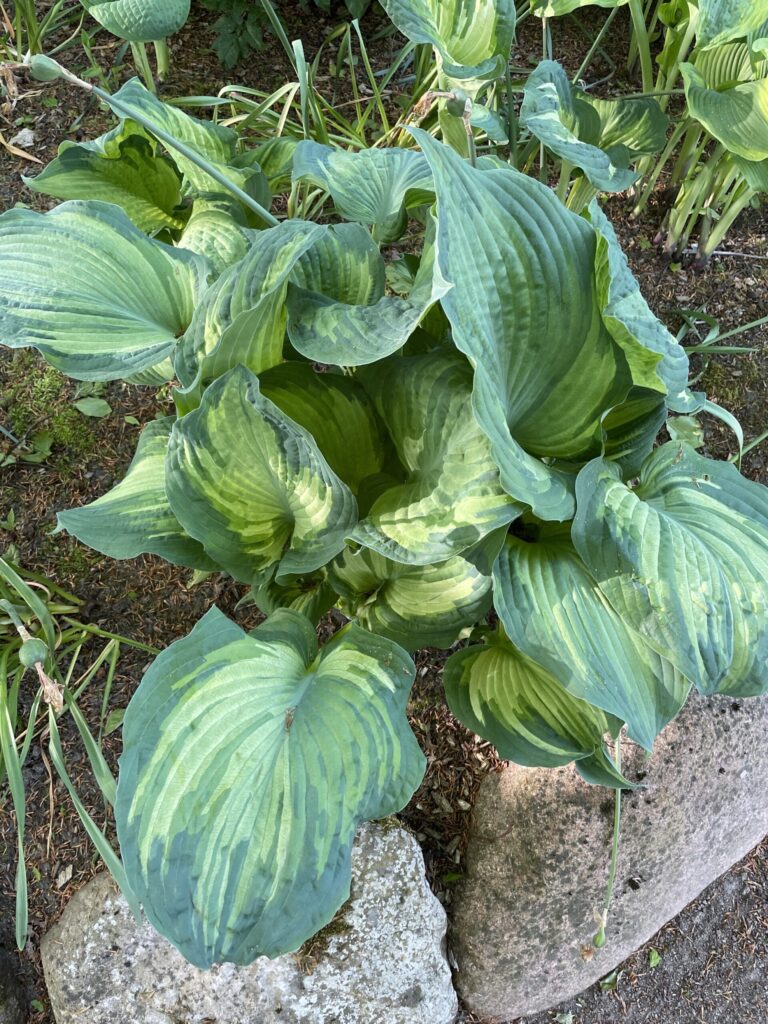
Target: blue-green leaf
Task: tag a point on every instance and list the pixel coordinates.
(248, 763)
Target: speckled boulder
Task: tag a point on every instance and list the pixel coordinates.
(538, 859)
(384, 962)
(11, 998)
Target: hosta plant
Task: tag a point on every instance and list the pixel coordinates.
(458, 445)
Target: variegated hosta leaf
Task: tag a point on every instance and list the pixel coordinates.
(554, 611)
(631, 429)
(451, 497)
(99, 299)
(656, 360)
(546, 368)
(722, 20)
(472, 37)
(725, 66)
(639, 125)
(310, 594)
(342, 328)
(242, 317)
(134, 518)
(737, 117)
(373, 186)
(139, 21)
(529, 717)
(252, 486)
(338, 414)
(414, 605)
(548, 112)
(122, 168)
(556, 8)
(248, 763)
(212, 141)
(217, 230)
(683, 558)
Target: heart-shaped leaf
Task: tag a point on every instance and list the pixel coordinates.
(248, 763)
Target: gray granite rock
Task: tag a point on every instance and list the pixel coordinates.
(384, 962)
(11, 996)
(538, 859)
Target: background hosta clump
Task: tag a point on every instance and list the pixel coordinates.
(416, 444)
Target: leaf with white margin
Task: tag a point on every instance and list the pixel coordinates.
(252, 486)
(97, 297)
(241, 319)
(548, 113)
(126, 171)
(736, 117)
(722, 20)
(515, 704)
(414, 605)
(554, 611)
(135, 518)
(656, 359)
(330, 327)
(472, 37)
(451, 497)
(248, 763)
(373, 186)
(683, 558)
(139, 21)
(339, 415)
(546, 368)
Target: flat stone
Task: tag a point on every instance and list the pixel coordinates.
(538, 858)
(382, 962)
(11, 996)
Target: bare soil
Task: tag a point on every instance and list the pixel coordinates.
(714, 956)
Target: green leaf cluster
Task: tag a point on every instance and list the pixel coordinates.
(480, 438)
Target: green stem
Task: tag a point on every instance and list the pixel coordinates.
(163, 57)
(719, 232)
(512, 127)
(127, 111)
(650, 181)
(643, 44)
(674, 72)
(594, 47)
(141, 60)
(599, 939)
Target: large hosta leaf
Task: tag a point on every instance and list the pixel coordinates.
(722, 20)
(373, 186)
(248, 763)
(546, 368)
(683, 558)
(212, 141)
(554, 611)
(639, 125)
(414, 605)
(241, 319)
(338, 414)
(135, 518)
(472, 37)
(125, 170)
(217, 230)
(631, 429)
(139, 21)
(97, 297)
(330, 323)
(737, 117)
(548, 112)
(252, 486)
(451, 496)
(529, 717)
(657, 361)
